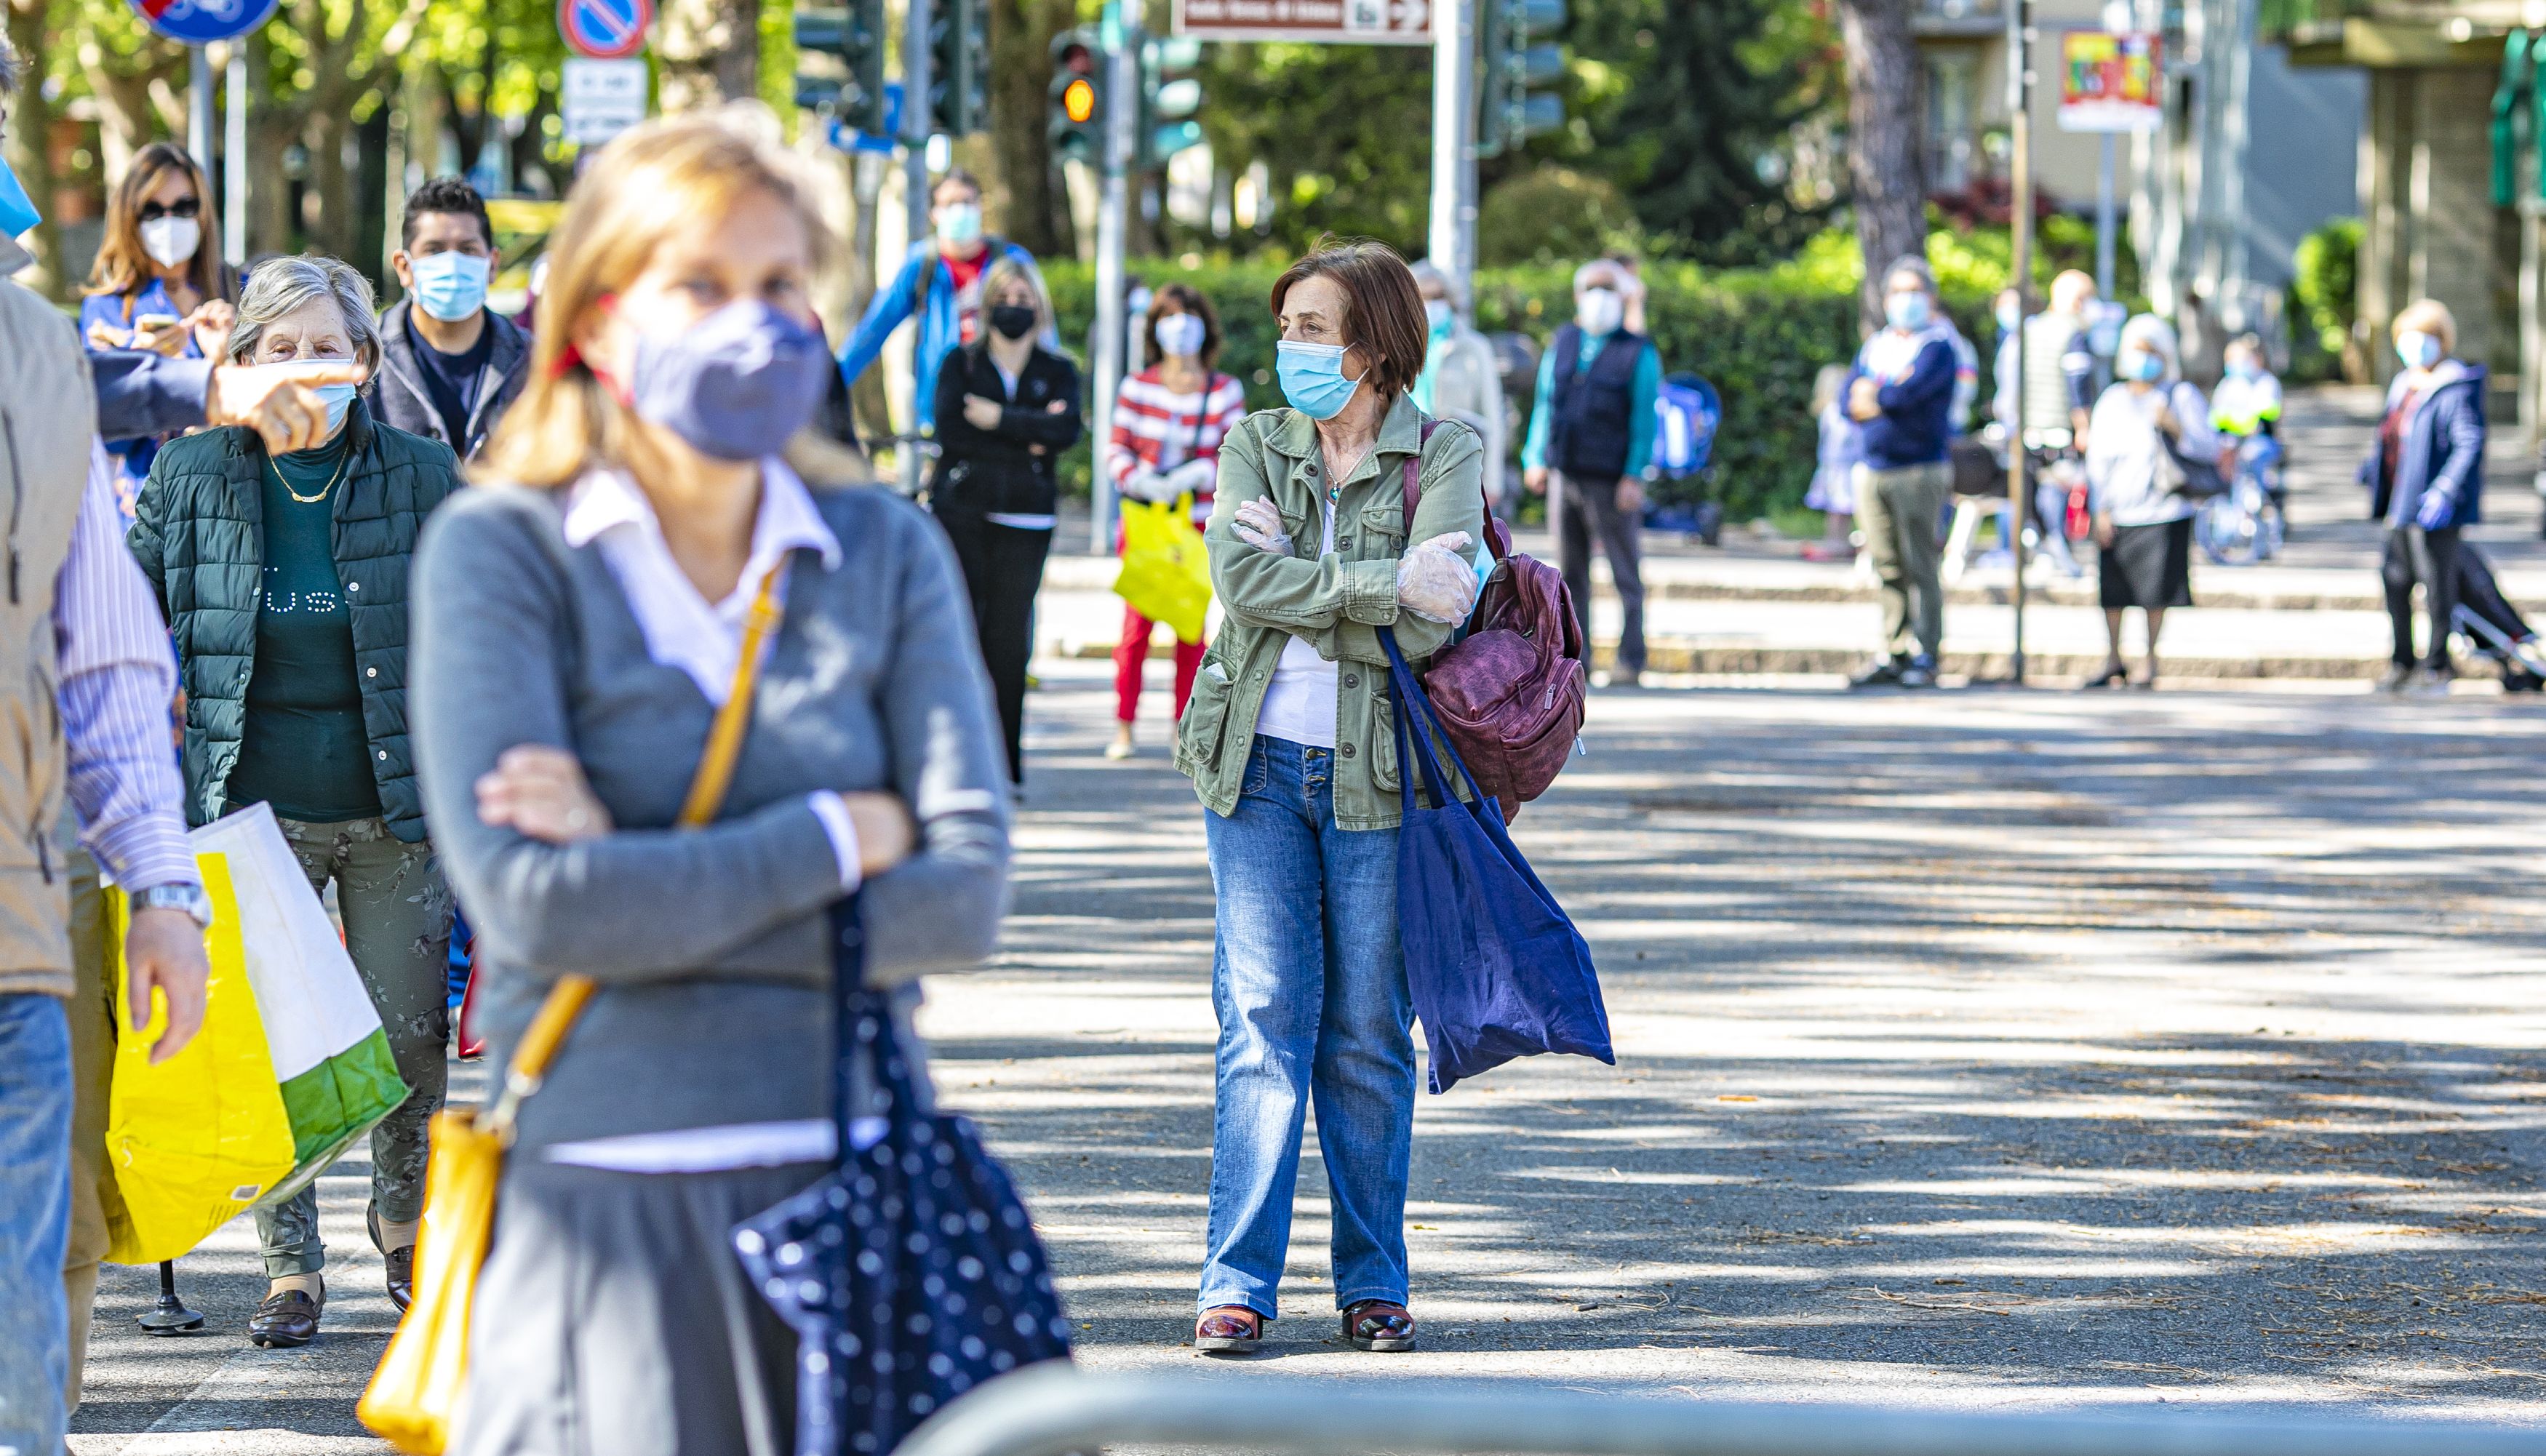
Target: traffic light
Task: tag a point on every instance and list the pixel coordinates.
(1078, 125)
(1514, 111)
(1170, 98)
(839, 56)
(959, 66)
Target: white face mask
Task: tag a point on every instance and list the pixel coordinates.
(1601, 311)
(1181, 335)
(171, 240)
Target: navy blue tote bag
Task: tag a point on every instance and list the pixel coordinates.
(911, 1274)
(1494, 968)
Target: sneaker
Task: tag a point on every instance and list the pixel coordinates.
(2395, 678)
(1920, 674)
(1121, 747)
(1884, 673)
(2433, 682)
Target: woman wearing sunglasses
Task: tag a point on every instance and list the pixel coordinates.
(158, 283)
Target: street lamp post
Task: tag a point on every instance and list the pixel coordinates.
(1122, 61)
(915, 121)
(2020, 162)
(1454, 142)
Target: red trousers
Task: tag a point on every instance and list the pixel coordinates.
(1132, 651)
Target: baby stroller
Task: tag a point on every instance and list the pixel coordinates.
(2494, 626)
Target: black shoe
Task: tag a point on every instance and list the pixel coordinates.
(2397, 675)
(284, 1322)
(401, 1262)
(1884, 673)
(1920, 674)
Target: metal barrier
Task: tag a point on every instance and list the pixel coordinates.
(1057, 1410)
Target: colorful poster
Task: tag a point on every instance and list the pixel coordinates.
(2110, 82)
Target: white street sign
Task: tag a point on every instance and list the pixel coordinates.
(601, 98)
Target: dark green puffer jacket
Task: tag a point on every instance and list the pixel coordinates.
(201, 539)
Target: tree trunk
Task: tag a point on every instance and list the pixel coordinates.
(1026, 195)
(274, 126)
(709, 51)
(1887, 166)
(30, 150)
(129, 111)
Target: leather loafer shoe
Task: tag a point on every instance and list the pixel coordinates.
(284, 1322)
(401, 1262)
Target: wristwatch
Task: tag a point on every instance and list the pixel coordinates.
(178, 895)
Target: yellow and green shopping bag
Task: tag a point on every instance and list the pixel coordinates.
(201, 1136)
(1166, 570)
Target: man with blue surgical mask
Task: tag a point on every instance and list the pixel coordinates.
(1591, 446)
(940, 285)
(449, 366)
(1902, 391)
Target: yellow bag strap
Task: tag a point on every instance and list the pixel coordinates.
(568, 998)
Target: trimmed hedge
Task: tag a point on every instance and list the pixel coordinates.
(1758, 335)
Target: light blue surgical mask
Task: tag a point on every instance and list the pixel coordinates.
(960, 224)
(17, 211)
(1312, 378)
(338, 398)
(2417, 348)
(2142, 365)
(1437, 317)
(1908, 311)
(450, 286)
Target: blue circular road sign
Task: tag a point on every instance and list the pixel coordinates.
(605, 30)
(201, 21)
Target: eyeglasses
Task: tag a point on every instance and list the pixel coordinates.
(183, 208)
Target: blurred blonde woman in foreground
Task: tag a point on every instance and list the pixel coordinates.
(581, 617)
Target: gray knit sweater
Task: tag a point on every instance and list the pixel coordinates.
(710, 944)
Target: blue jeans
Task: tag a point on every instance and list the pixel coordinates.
(1308, 979)
(34, 1221)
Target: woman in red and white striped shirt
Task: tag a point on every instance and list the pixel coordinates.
(1168, 423)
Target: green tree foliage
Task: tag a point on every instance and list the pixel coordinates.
(1550, 215)
(1684, 104)
(1346, 130)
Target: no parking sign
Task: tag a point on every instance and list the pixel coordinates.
(603, 30)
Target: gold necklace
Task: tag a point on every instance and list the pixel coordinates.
(342, 462)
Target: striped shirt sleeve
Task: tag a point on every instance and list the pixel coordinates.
(117, 676)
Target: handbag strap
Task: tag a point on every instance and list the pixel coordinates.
(566, 999)
(1497, 543)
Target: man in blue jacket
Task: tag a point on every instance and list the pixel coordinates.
(2425, 476)
(1592, 440)
(941, 283)
(1902, 391)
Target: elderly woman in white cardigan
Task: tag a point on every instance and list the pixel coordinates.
(2143, 521)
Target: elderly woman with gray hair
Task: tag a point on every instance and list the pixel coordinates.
(2145, 425)
(285, 579)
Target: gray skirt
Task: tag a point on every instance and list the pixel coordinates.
(612, 1319)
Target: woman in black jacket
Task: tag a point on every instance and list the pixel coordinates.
(1006, 408)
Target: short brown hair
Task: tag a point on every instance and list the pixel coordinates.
(1189, 299)
(1384, 309)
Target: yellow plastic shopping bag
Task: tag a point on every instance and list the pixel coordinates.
(1166, 572)
(195, 1139)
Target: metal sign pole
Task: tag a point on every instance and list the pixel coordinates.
(199, 107)
(235, 183)
(1122, 43)
(2020, 161)
(915, 138)
(1454, 142)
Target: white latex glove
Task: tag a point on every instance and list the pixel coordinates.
(1260, 526)
(1435, 583)
(1147, 484)
(1194, 475)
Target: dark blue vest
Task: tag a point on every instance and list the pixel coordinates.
(1594, 409)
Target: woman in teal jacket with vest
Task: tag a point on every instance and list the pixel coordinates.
(285, 578)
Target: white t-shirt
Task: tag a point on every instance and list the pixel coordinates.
(1300, 705)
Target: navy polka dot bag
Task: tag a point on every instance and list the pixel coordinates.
(912, 1273)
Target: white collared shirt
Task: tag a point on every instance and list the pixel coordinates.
(684, 629)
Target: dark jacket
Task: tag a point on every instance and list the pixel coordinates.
(999, 472)
(2443, 450)
(1916, 421)
(139, 392)
(200, 537)
(398, 397)
(1594, 428)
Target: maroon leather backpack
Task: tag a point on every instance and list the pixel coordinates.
(1509, 695)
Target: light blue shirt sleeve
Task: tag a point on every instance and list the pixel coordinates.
(1533, 450)
(1642, 421)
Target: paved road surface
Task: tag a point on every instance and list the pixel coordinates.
(1975, 1049)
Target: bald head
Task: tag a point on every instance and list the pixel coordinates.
(2072, 291)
